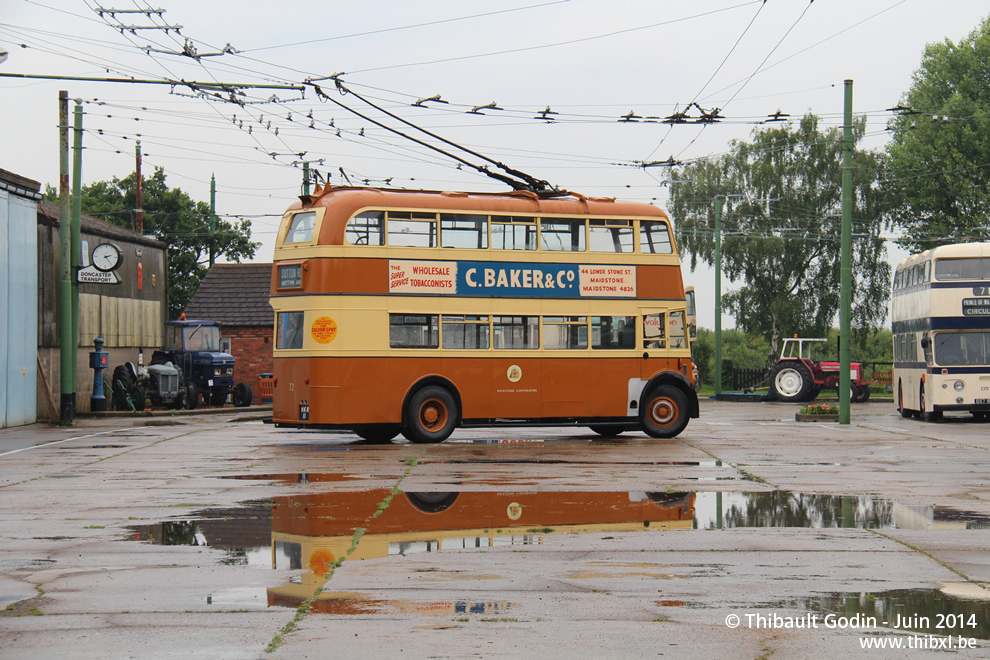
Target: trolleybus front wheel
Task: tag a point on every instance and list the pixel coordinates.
(431, 415)
(664, 413)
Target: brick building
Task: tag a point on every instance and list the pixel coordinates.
(236, 295)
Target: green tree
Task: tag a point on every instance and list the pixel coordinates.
(939, 154)
(174, 218)
(781, 229)
(740, 350)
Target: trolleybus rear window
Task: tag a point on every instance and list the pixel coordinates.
(301, 227)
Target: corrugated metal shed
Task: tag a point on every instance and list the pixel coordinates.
(18, 300)
(234, 295)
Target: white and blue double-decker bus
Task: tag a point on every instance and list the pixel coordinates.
(940, 317)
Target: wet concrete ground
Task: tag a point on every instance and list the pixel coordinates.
(223, 537)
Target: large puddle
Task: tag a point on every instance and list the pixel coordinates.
(313, 531)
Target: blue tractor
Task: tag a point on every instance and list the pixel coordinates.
(194, 348)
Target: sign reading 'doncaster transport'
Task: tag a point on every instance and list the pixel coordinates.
(511, 280)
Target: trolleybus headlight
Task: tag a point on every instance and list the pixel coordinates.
(959, 386)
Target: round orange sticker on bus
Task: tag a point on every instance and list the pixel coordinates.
(324, 330)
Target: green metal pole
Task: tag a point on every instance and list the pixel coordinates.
(67, 404)
(718, 296)
(76, 236)
(139, 189)
(213, 214)
(845, 275)
(305, 177)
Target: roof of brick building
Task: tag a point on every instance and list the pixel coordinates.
(234, 294)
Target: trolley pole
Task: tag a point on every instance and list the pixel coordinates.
(718, 296)
(845, 274)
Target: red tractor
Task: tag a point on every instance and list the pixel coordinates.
(796, 378)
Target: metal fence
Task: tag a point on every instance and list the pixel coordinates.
(880, 374)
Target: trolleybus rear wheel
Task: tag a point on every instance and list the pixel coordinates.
(664, 413)
(431, 415)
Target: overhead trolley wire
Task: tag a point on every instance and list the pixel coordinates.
(406, 27)
(558, 43)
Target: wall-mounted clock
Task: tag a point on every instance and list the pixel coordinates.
(106, 257)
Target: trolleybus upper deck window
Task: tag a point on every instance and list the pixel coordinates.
(367, 228)
(412, 229)
(513, 233)
(972, 268)
(654, 238)
(607, 235)
(461, 230)
(562, 235)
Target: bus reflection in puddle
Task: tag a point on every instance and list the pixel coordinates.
(318, 531)
(396, 523)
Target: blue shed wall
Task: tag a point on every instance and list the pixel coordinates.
(18, 310)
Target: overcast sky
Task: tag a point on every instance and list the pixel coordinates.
(590, 62)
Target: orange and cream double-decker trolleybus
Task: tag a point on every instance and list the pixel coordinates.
(940, 317)
(418, 312)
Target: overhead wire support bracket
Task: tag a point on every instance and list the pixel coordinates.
(421, 103)
(712, 116)
(100, 11)
(145, 12)
(777, 116)
(544, 115)
(477, 110)
(189, 50)
(670, 162)
(904, 110)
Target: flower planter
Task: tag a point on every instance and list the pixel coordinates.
(798, 417)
